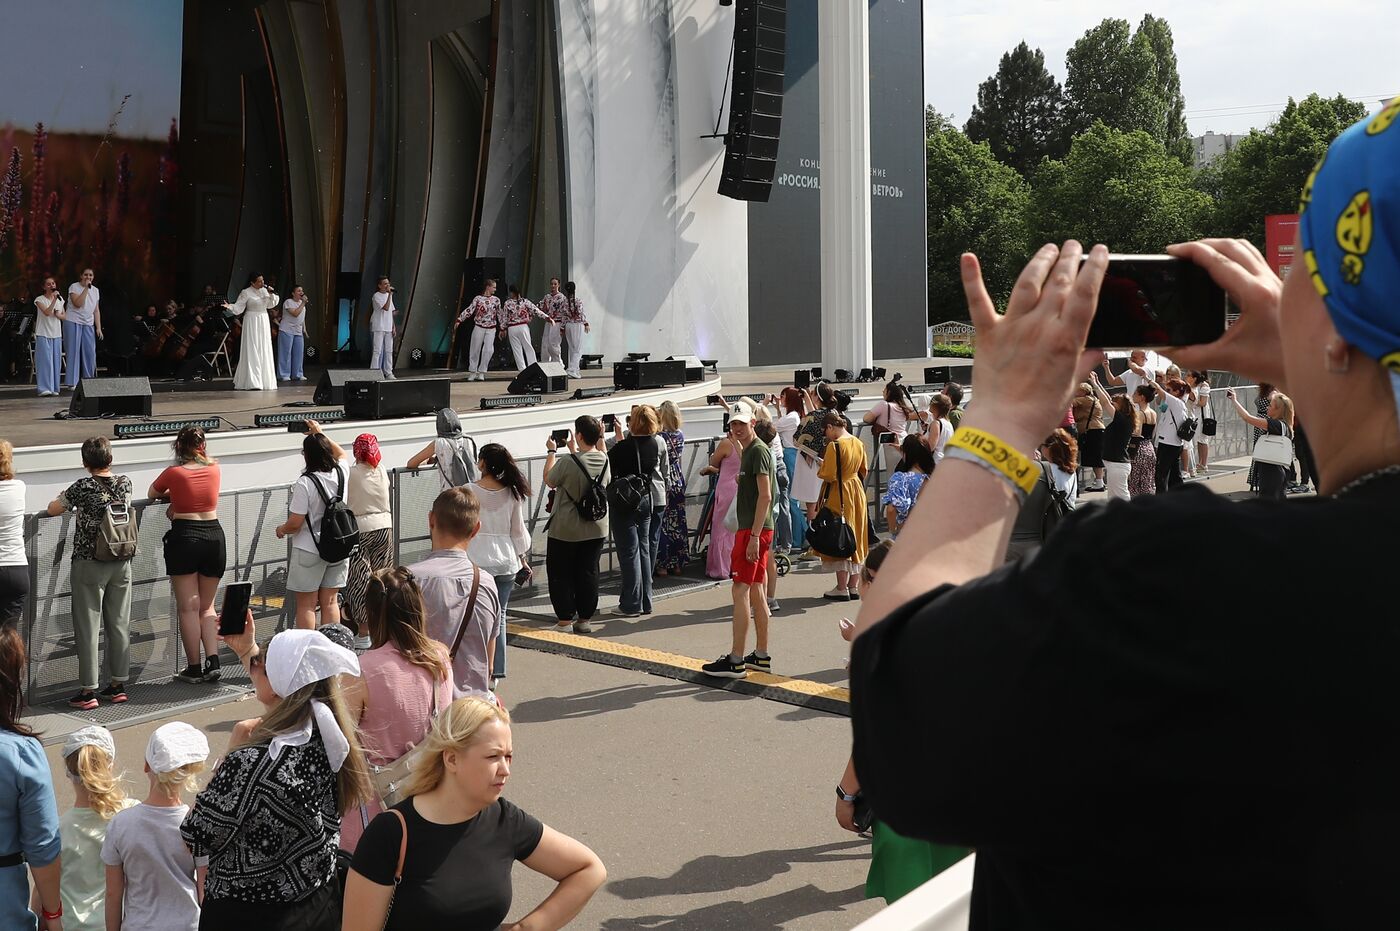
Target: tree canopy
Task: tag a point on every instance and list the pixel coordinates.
(1019, 111)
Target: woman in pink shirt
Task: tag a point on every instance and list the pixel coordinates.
(403, 684)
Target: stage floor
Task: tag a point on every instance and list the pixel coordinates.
(28, 421)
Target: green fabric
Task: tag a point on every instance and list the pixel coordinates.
(899, 865)
(565, 522)
(757, 459)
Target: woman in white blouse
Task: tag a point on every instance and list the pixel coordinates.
(368, 497)
(257, 369)
(48, 339)
(502, 546)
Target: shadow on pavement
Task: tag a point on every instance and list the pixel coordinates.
(712, 873)
(601, 701)
(769, 914)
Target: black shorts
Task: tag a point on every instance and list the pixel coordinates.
(195, 547)
(1091, 449)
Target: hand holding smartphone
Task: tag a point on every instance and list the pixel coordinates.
(233, 614)
(1156, 301)
(560, 437)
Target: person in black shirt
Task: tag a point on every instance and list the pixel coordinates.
(1277, 421)
(636, 455)
(463, 839)
(1118, 467)
(1213, 762)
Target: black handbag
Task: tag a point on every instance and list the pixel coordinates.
(829, 534)
(1207, 426)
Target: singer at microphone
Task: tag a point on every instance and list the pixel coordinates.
(381, 327)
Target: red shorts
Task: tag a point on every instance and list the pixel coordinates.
(740, 569)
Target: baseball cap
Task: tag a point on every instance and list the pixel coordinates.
(741, 413)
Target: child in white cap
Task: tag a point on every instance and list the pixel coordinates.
(153, 881)
(89, 756)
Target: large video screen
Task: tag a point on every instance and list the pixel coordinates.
(785, 233)
(88, 130)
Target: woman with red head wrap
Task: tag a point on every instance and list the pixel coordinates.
(369, 498)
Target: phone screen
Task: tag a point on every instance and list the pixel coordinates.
(885, 438)
(1154, 301)
(560, 436)
(233, 616)
(713, 399)
(297, 426)
(609, 419)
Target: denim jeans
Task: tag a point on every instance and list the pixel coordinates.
(291, 352)
(632, 534)
(796, 512)
(80, 342)
(505, 584)
(48, 363)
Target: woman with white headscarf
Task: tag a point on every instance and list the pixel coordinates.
(270, 817)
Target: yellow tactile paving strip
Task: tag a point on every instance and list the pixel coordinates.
(802, 692)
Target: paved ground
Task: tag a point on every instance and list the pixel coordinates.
(712, 810)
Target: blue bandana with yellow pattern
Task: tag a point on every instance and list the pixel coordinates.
(1350, 229)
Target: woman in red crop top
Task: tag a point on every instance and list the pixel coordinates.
(194, 550)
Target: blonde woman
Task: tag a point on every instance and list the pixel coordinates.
(306, 739)
(673, 544)
(458, 825)
(1277, 421)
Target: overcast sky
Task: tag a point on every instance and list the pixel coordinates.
(1239, 60)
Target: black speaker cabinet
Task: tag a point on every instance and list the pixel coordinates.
(756, 110)
(943, 374)
(405, 397)
(635, 375)
(95, 397)
(331, 388)
(541, 378)
(694, 368)
(802, 378)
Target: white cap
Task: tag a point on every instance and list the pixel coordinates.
(90, 736)
(174, 745)
(741, 413)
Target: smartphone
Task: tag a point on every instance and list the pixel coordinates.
(560, 436)
(1155, 301)
(609, 420)
(713, 399)
(297, 426)
(233, 616)
(884, 438)
(523, 576)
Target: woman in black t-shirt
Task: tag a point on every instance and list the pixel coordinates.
(463, 839)
(1118, 461)
(1278, 421)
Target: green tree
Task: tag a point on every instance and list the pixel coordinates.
(1018, 111)
(1121, 189)
(975, 204)
(1128, 80)
(1264, 173)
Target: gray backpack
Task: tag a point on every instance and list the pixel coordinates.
(460, 468)
(118, 532)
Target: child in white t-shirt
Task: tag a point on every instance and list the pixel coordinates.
(153, 881)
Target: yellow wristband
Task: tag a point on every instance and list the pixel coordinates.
(987, 450)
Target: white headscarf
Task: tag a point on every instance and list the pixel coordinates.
(295, 659)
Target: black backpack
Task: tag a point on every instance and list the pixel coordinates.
(626, 492)
(1058, 507)
(594, 503)
(340, 531)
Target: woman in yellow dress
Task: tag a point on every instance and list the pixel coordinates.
(844, 494)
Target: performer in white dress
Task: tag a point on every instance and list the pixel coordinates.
(555, 307)
(575, 325)
(257, 365)
(381, 328)
(516, 314)
(485, 311)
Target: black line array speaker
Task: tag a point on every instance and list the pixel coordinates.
(541, 378)
(638, 374)
(475, 271)
(404, 397)
(96, 397)
(331, 388)
(756, 108)
(694, 368)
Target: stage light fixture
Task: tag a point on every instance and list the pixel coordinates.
(602, 391)
(591, 362)
(281, 420)
(162, 427)
(511, 400)
(802, 378)
(312, 353)
(866, 375)
(879, 374)
(638, 356)
(735, 398)
(844, 375)
(816, 371)
(711, 365)
(417, 358)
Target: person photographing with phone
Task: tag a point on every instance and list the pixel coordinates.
(1097, 787)
(502, 546)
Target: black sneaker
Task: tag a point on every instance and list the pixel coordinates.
(114, 693)
(725, 668)
(211, 669)
(191, 673)
(86, 700)
(758, 663)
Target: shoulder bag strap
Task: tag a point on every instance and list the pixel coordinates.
(398, 868)
(467, 614)
(840, 482)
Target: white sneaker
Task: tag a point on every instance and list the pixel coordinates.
(618, 612)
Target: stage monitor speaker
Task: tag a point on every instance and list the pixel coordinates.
(97, 397)
(694, 368)
(943, 374)
(636, 375)
(541, 378)
(347, 286)
(756, 111)
(476, 271)
(404, 397)
(331, 388)
(802, 378)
